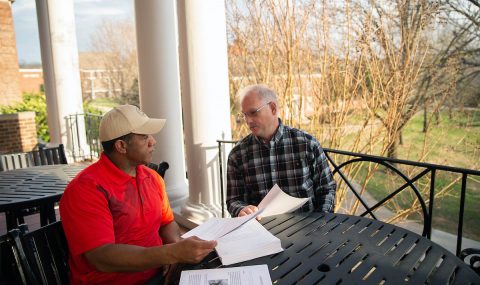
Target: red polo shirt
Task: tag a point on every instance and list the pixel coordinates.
(103, 205)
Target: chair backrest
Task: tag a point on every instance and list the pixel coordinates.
(160, 168)
(10, 273)
(12, 161)
(43, 253)
(42, 156)
(49, 156)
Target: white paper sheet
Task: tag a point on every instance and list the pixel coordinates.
(215, 228)
(244, 275)
(278, 202)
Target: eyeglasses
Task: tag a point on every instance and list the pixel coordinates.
(251, 114)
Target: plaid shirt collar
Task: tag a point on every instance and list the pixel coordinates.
(276, 138)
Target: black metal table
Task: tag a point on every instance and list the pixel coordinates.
(341, 249)
(39, 186)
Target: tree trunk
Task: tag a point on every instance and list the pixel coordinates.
(392, 150)
(425, 118)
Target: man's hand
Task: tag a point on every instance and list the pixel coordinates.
(247, 210)
(192, 249)
(128, 258)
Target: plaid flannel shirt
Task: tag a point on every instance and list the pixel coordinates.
(293, 159)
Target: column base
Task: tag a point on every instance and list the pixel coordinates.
(192, 215)
(177, 196)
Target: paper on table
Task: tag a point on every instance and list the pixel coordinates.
(249, 241)
(278, 202)
(275, 202)
(215, 228)
(244, 275)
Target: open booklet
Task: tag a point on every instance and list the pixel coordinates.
(244, 275)
(243, 238)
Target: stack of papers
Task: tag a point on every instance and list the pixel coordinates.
(244, 238)
(249, 241)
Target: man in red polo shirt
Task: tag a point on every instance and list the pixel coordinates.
(116, 215)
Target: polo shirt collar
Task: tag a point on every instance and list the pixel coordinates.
(113, 172)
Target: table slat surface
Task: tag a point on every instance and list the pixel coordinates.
(34, 185)
(342, 249)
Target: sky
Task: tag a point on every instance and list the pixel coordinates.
(88, 14)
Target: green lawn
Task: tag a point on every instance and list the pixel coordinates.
(455, 142)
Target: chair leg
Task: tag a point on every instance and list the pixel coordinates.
(20, 219)
(11, 219)
(47, 214)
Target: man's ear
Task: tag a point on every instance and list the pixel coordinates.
(120, 146)
(273, 106)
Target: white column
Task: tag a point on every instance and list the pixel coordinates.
(58, 43)
(206, 103)
(159, 82)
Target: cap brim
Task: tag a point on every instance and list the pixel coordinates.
(152, 126)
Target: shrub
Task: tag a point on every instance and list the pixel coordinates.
(34, 102)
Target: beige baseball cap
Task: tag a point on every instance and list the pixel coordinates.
(126, 119)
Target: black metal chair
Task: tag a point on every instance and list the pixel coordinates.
(10, 273)
(42, 156)
(160, 168)
(42, 254)
(12, 161)
(474, 254)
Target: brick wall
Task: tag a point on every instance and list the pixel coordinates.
(18, 132)
(9, 87)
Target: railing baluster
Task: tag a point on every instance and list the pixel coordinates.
(460, 216)
(222, 201)
(78, 133)
(430, 206)
(91, 122)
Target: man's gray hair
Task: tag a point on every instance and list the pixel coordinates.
(267, 94)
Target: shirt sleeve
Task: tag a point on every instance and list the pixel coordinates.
(324, 184)
(86, 217)
(235, 184)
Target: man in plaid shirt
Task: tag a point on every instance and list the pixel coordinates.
(275, 154)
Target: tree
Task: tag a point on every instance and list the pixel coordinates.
(463, 43)
(329, 59)
(116, 40)
(396, 42)
(348, 72)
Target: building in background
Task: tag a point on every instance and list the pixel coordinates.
(96, 77)
(30, 80)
